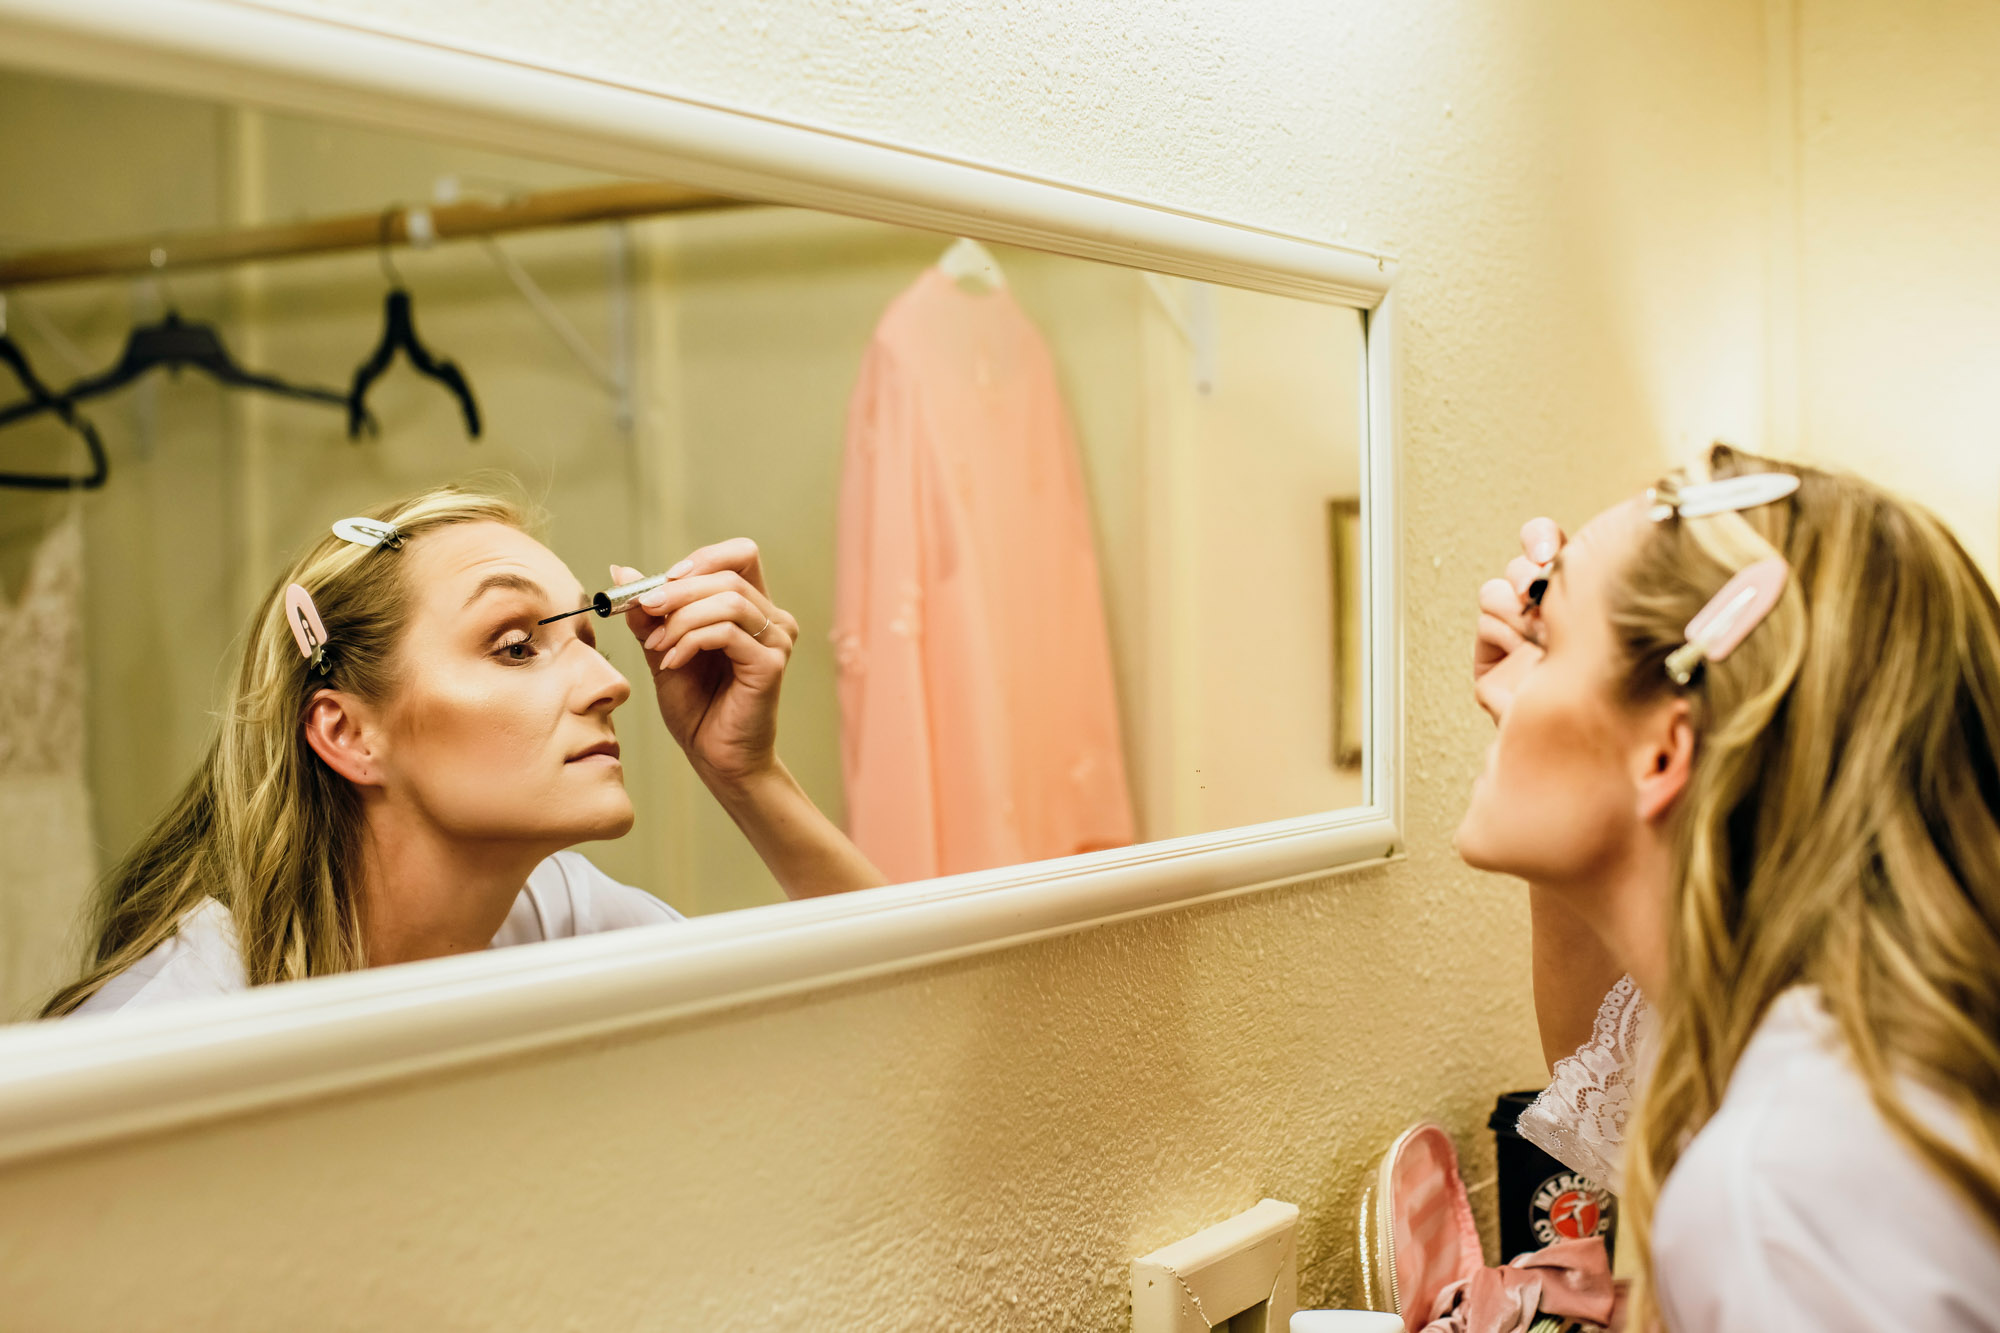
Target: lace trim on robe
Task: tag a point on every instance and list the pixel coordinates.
(1580, 1117)
(41, 661)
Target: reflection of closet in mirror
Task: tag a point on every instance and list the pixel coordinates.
(1213, 426)
(656, 384)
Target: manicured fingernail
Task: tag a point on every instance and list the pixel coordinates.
(1542, 551)
(655, 639)
(682, 570)
(654, 600)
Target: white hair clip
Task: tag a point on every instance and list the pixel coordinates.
(368, 532)
(1703, 498)
(1729, 617)
(307, 629)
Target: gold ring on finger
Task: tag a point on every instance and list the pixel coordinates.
(759, 635)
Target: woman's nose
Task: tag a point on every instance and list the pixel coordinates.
(603, 685)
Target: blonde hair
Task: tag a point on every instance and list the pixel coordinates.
(264, 826)
(1842, 823)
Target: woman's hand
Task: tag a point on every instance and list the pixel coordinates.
(1505, 645)
(717, 646)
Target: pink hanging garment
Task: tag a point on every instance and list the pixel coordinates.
(979, 722)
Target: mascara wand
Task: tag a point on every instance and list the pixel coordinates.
(613, 600)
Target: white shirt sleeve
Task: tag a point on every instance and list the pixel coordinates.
(1797, 1207)
(567, 895)
(199, 959)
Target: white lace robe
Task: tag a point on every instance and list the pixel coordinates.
(44, 798)
(1580, 1117)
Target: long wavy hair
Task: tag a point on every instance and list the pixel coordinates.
(264, 826)
(1841, 826)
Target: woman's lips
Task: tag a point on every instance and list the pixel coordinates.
(603, 751)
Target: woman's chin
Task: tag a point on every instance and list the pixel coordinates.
(616, 824)
(1471, 848)
(602, 820)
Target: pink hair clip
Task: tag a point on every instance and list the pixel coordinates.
(307, 629)
(1729, 617)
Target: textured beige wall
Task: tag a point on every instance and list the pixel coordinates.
(1576, 191)
(1898, 184)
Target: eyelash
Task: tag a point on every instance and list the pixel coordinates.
(505, 650)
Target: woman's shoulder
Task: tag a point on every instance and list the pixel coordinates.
(1798, 1206)
(199, 958)
(568, 895)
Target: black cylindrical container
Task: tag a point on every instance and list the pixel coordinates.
(1541, 1200)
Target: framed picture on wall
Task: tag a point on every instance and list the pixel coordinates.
(1350, 703)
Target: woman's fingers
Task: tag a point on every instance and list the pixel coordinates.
(729, 638)
(730, 606)
(1521, 574)
(1503, 623)
(1494, 643)
(1499, 597)
(738, 555)
(716, 585)
(669, 598)
(1504, 613)
(1540, 540)
(666, 602)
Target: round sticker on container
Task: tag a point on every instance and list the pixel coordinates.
(1568, 1207)
(367, 532)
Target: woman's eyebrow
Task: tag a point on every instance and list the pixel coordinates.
(512, 582)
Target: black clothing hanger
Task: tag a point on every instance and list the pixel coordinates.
(173, 343)
(42, 398)
(399, 333)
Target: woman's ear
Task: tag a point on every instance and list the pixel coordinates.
(342, 733)
(1666, 761)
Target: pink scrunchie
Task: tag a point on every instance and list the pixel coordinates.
(1570, 1278)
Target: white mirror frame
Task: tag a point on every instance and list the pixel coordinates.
(65, 1084)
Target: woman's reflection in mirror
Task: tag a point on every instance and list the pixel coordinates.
(417, 797)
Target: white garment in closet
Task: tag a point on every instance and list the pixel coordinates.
(44, 798)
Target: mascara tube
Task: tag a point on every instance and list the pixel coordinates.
(614, 600)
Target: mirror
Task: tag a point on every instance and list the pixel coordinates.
(1162, 475)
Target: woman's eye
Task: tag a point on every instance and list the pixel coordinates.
(517, 650)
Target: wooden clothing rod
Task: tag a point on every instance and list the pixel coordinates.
(359, 231)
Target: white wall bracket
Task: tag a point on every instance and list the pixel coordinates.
(1241, 1275)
